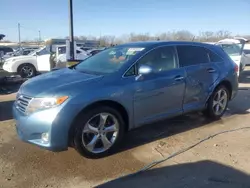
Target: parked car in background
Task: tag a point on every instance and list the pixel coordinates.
(26, 65)
(91, 105)
(234, 48)
(5, 49)
(61, 55)
(94, 51)
(247, 53)
(19, 52)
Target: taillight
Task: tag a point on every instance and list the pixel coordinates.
(236, 68)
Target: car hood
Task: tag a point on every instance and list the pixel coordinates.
(56, 81)
(21, 57)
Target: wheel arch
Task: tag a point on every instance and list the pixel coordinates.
(26, 63)
(110, 103)
(225, 83)
(228, 85)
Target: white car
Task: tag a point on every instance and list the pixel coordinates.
(246, 51)
(61, 57)
(25, 66)
(234, 48)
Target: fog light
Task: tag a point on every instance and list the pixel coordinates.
(45, 137)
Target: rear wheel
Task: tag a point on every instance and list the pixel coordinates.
(26, 71)
(98, 132)
(217, 103)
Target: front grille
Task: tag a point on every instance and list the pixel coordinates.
(22, 102)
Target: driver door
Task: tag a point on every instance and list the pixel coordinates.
(159, 94)
(43, 61)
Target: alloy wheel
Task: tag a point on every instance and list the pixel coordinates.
(27, 71)
(100, 132)
(220, 101)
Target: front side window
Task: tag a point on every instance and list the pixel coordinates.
(108, 61)
(160, 59)
(192, 55)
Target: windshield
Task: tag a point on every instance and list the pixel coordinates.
(108, 61)
(37, 50)
(232, 49)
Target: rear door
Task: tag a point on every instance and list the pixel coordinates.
(201, 74)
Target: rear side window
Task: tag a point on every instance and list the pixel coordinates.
(192, 55)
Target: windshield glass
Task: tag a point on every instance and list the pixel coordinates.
(232, 49)
(34, 52)
(109, 60)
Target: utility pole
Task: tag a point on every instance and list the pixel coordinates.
(39, 37)
(71, 31)
(19, 35)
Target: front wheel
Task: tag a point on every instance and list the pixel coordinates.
(26, 71)
(98, 132)
(217, 103)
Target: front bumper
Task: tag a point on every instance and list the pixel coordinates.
(31, 127)
(8, 67)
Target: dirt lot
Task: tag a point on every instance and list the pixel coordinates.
(222, 161)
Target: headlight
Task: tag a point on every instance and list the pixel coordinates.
(44, 103)
(6, 62)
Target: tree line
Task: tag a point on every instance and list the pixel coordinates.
(184, 35)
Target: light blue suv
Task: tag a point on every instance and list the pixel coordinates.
(91, 105)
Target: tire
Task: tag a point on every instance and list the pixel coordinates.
(83, 136)
(26, 70)
(212, 106)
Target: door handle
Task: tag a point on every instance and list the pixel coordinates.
(211, 70)
(178, 78)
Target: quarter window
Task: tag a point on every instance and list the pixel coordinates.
(160, 59)
(131, 71)
(192, 55)
(214, 57)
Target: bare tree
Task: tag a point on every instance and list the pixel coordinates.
(183, 35)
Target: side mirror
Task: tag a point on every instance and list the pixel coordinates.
(145, 69)
(37, 53)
